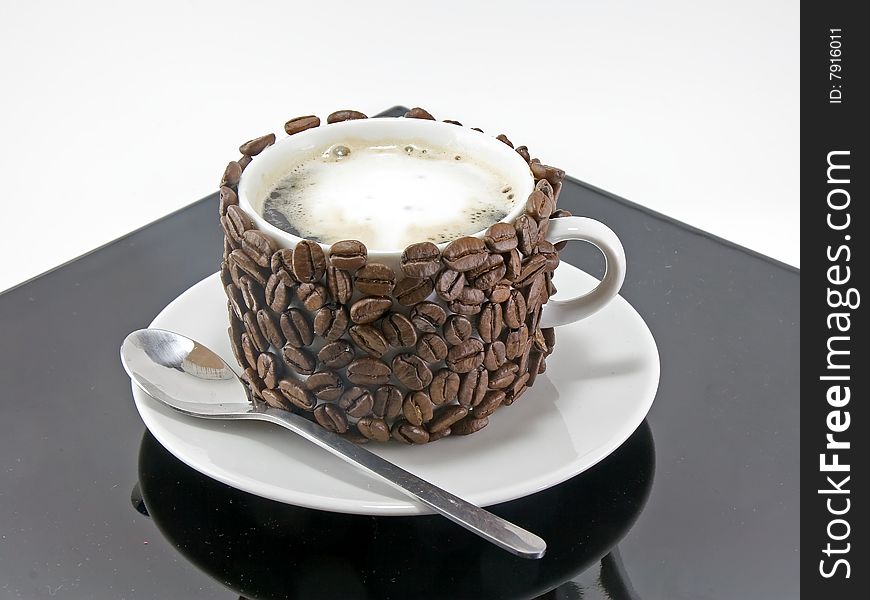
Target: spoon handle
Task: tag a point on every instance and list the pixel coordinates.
(502, 533)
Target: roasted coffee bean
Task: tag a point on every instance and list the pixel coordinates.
(235, 331)
(281, 264)
(399, 330)
(544, 186)
(369, 309)
(247, 266)
(299, 359)
(309, 261)
(477, 129)
(268, 322)
(301, 124)
(527, 233)
(524, 152)
(368, 371)
(237, 222)
(548, 251)
(513, 262)
(369, 340)
(444, 387)
(465, 253)
(452, 122)
(255, 146)
(275, 399)
(469, 301)
(419, 113)
(491, 401)
(277, 294)
(516, 342)
(229, 245)
(540, 341)
(254, 382)
(549, 337)
(536, 292)
(560, 213)
(543, 228)
(445, 417)
(466, 356)
(469, 425)
(312, 295)
(326, 385)
(297, 328)
(433, 437)
(551, 174)
(428, 317)
(348, 255)
(500, 237)
(252, 294)
(250, 351)
(244, 161)
(524, 357)
(375, 279)
(536, 361)
(517, 389)
(551, 289)
(431, 348)
(473, 386)
(533, 320)
(253, 330)
(411, 371)
(515, 310)
(457, 329)
(231, 175)
(336, 355)
(228, 198)
(356, 401)
(532, 266)
(503, 138)
(411, 290)
(450, 284)
(331, 417)
(374, 429)
(297, 394)
(388, 402)
(237, 302)
(268, 369)
(340, 284)
(421, 260)
(409, 434)
(345, 115)
(226, 278)
(539, 205)
(494, 355)
(504, 376)
(331, 323)
(417, 408)
(489, 273)
(500, 292)
(490, 323)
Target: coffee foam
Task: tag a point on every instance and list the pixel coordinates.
(388, 195)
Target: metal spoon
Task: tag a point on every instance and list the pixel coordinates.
(190, 378)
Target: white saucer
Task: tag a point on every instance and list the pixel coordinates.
(599, 384)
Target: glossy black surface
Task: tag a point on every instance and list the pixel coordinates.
(719, 518)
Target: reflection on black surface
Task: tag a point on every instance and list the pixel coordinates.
(264, 549)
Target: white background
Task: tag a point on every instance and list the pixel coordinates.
(114, 113)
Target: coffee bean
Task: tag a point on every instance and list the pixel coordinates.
(312, 295)
(374, 429)
(516, 342)
(340, 284)
(309, 262)
(253, 330)
(411, 371)
(500, 237)
(231, 175)
(536, 361)
(444, 386)
(417, 408)
(348, 255)
(411, 290)
(513, 262)
(326, 385)
(490, 323)
(431, 348)
(336, 355)
(228, 198)
(301, 124)
(469, 301)
(449, 284)
(277, 294)
(532, 320)
(527, 233)
(469, 425)
(368, 371)
(229, 245)
(515, 310)
(344, 115)
(331, 323)
(452, 122)
(419, 113)
(254, 382)
(477, 129)
(523, 366)
(297, 394)
(551, 289)
(275, 399)
(369, 339)
(421, 260)
(433, 437)
(549, 337)
(543, 228)
(235, 331)
(250, 351)
(369, 309)
(356, 401)
(491, 401)
(457, 329)
(548, 251)
(296, 328)
(399, 330)
(473, 386)
(281, 264)
(551, 174)
(517, 389)
(535, 292)
(252, 294)
(375, 279)
(445, 417)
(428, 317)
(504, 376)
(489, 273)
(540, 205)
(247, 266)
(500, 292)
(237, 222)
(532, 266)
(524, 152)
(244, 161)
(268, 323)
(299, 359)
(237, 303)
(466, 356)
(331, 417)
(494, 355)
(540, 341)
(409, 434)
(255, 146)
(465, 253)
(388, 402)
(503, 138)
(226, 277)
(268, 369)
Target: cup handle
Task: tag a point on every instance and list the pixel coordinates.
(562, 312)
